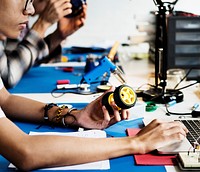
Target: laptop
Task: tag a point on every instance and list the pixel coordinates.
(193, 126)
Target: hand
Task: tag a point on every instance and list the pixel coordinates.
(159, 134)
(67, 26)
(2, 37)
(55, 10)
(96, 116)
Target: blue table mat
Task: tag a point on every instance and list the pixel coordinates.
(43, 79)
(80, 54)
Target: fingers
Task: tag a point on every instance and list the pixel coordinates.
(117, 115)
(169, 127)
(66, 7)
(120, 114)
(56, 9)
(161, 134)
(106, 119)
(172, 131)
(125, 114)
(110, 119)
(106, 114)
(176, 127)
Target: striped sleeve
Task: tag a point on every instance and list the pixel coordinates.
(13, 64)
(1, 112)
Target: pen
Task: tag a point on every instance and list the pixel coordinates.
(195, 106)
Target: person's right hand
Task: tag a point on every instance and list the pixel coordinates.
(55, 10)
(50, 12)
(159, 134)
(67, 26)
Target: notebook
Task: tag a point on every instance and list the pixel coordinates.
(193, 126)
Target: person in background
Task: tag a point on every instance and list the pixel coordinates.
(28, 152)
(32, 47)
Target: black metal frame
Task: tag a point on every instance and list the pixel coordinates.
(164, 9)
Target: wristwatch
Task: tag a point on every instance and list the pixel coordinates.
(46, 109)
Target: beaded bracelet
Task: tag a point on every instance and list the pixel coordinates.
(59, 112)
(68, 114)
(46, 109)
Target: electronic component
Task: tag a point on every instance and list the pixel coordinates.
(189, 161)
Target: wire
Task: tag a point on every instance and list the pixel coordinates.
(65, 91)
(183, 78)
(146, 84)
(187, 86)
(195, 145)
(174, 113)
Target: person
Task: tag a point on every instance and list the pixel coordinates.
(32, 47)
(28, 152)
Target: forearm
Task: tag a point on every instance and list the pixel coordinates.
(40, 26)
(54, 40)
(73, 150)
(23, 109)
(27, 109)
(41, 151)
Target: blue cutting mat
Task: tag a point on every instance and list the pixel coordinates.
(43, 79)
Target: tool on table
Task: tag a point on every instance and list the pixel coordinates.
(105, 66)
(102, 71)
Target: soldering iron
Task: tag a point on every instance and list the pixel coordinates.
(102, 71)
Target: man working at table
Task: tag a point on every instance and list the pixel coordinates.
(18, 57)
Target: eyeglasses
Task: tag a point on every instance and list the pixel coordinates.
(28, 3)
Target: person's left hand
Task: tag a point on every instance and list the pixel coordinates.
(67, 26)
(96, 116)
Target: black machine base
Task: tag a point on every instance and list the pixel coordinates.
(156, 94)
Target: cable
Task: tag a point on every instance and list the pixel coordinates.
(146, 84)
(183, 78)
(188, 86)
(65, 91)
(174, 113)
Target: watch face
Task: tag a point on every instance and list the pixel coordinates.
(76, 7)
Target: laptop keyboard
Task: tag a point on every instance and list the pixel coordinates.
(193, 127)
